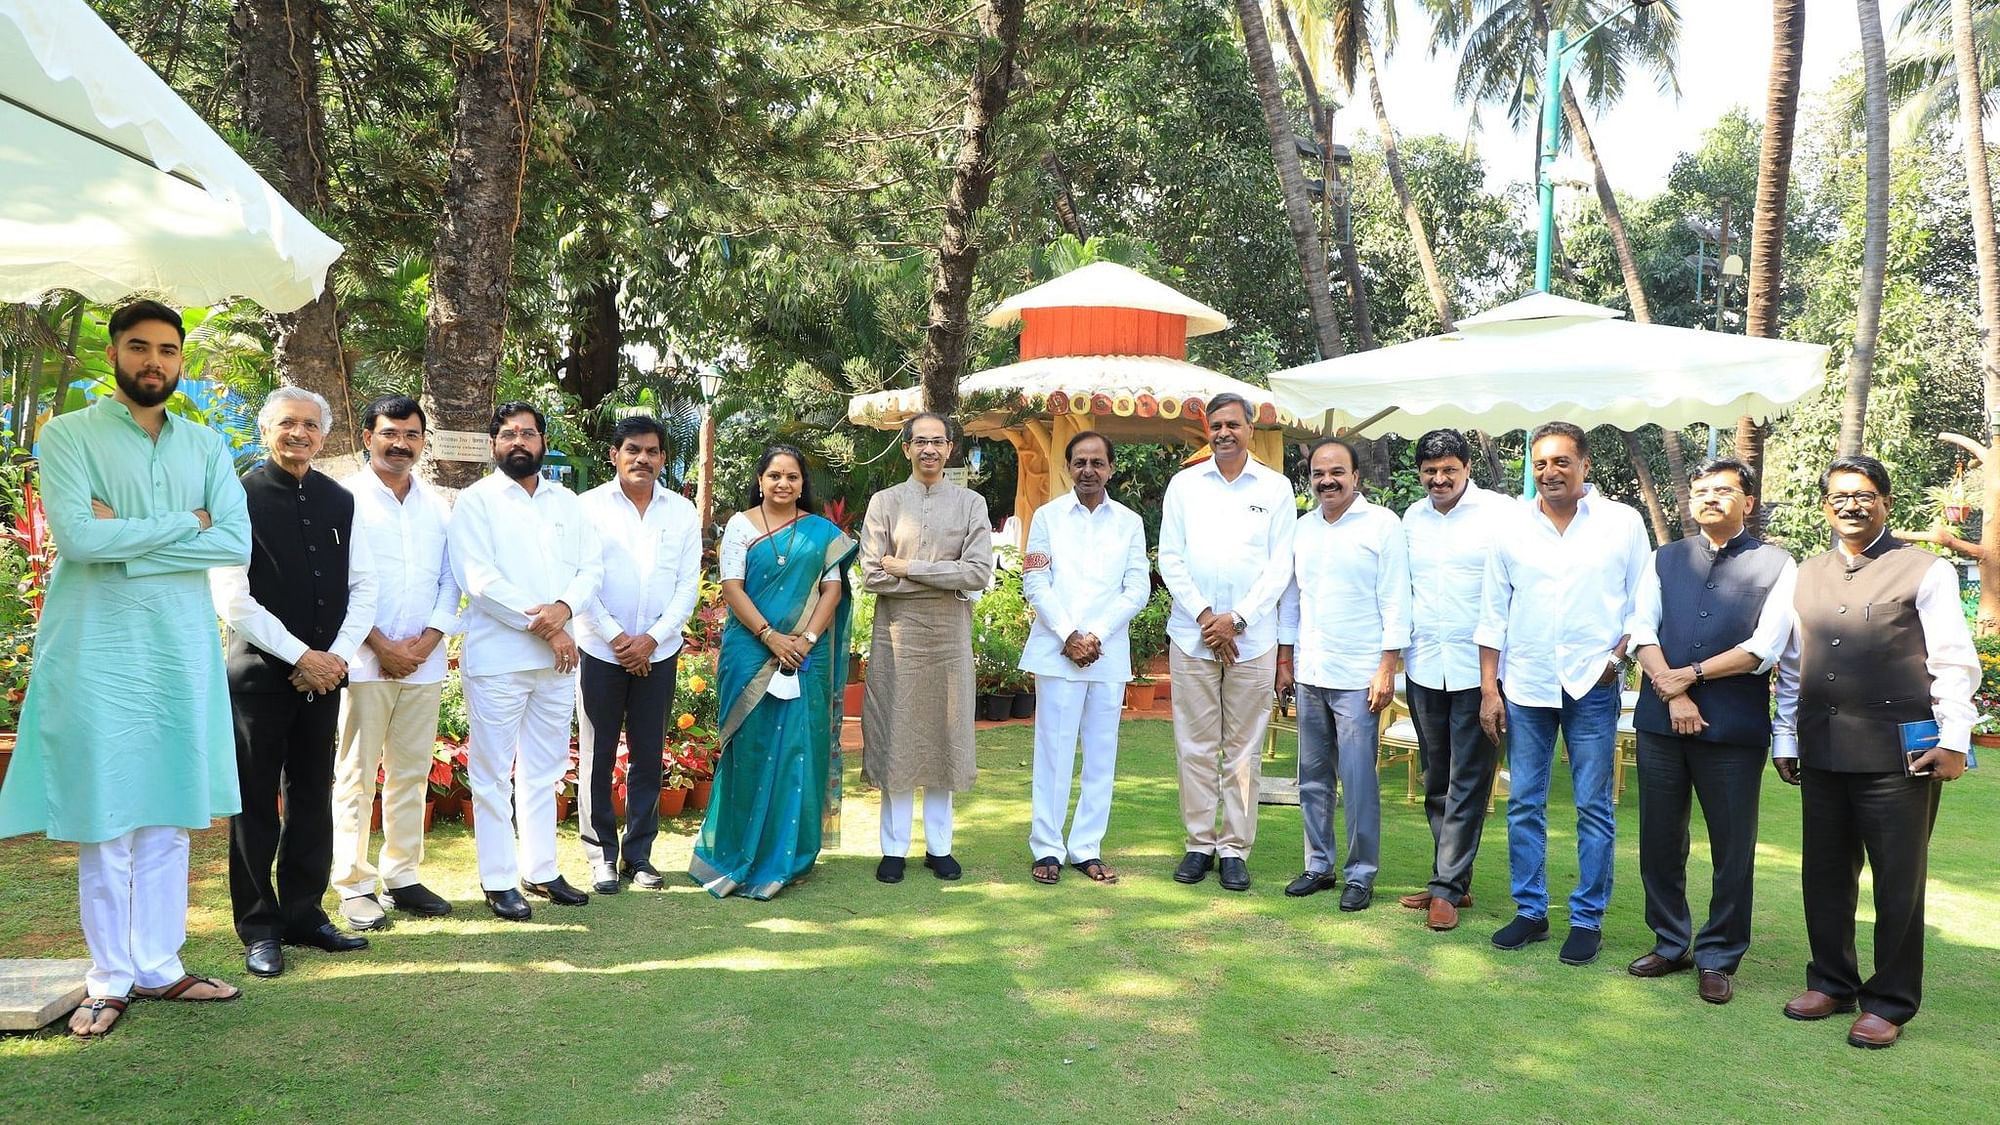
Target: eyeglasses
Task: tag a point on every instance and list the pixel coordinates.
(1720, 492)
(1841, 500)
(406, 435)
(518, 435)
(930, 442)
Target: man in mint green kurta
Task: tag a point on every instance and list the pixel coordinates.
(126, 740)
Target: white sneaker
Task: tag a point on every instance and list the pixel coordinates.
(363, 913)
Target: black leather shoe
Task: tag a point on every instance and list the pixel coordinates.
(1194, 867)
(1356, 897)
(330, 939)
(1235, 874)
(1312, 882)
(416, 899)
(558, 891)
(644, 876)
(264, 958)
(890, 870)
(943, 866)
(509, 904)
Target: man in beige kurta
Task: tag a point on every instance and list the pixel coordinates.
(926, 552)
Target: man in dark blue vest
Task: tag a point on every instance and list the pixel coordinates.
(296, 616)
(1711, 617)
(1881, 644)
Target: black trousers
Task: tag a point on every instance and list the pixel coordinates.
(1885, 818)
(1726, 780)
(284, 745)
(1458, 762)
(612, 700)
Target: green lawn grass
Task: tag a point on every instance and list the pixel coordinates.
(998, 999)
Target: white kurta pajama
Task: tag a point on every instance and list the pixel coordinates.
(1085, 570)
(511, 551)
(391, 724)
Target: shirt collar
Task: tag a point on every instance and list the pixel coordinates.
(1076, 505)
(1360, 505)
(111, 406)
(1872, 544)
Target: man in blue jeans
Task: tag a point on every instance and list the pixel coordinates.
(1551, 646)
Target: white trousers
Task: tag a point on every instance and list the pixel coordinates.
(133, 895)
(1066, 711)
(518, 748)
(392, 726)
(898, 810)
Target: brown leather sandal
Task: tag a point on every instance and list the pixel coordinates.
(1047, 870)
(97, 1006)
(1097, 871)
(178, 991)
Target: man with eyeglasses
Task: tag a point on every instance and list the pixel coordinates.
(1881, 657)
(524, 552)
(1712, 614)
(926, 553)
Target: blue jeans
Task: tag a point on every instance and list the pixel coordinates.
(1590, 730)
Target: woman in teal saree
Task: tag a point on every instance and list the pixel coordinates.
(781, 670)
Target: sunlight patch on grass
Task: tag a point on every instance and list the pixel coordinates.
(787, 926)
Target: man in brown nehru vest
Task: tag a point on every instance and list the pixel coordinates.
(1881, 642)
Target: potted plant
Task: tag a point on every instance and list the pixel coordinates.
(439, 800)
(1000, 621)
(860, 635)
(1986, 699)
(676, 781)
(1148, 637)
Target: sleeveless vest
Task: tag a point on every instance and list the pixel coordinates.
(1709, 603)
(299, 539)
(1861, 657)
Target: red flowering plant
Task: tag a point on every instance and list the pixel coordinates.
(697, 702)
(25, 563)
(442, 778)
(1986, 698)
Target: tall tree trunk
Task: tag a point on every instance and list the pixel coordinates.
(278, 49)
(1986, 248)
(1434, 281)
(595, 346)
(1875, 232)
(1291, 180)
(1342, 234)
(950, 323)
(1677, 467)
(1614, 219)
(1065, 199)
(1635, 452)
(473, 260)
(1774, 183)
(1496, 470)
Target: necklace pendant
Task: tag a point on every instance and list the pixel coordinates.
(781, 560)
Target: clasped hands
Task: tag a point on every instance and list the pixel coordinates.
(791, 649)
(1082, 649)
(1672, 686)
(1218, 632)
(546, 622)
(402, 658)
(318, 672)
(104, 511)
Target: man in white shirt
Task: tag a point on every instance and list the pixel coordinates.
(1226, 556)
(296, 615)
(1851, 727)
(630, 634)
(1559, 587)
(525, 554)
(1085, 575)
(389, 713)
(1342, 629)
(1451, 533)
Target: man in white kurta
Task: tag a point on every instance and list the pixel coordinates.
(1085, 576)
(523, 550)
(1226, 555)
(395, 683)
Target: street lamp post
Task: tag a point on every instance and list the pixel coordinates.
(1559, 52)
(704, 486)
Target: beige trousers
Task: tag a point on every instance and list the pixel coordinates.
(392, 726)
(1220, 713)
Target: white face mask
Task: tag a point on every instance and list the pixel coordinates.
(784, 685)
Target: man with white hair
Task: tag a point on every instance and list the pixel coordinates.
(296, 615)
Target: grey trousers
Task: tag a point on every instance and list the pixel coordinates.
(1339, 739)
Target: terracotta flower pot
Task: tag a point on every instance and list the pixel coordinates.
(375, 816)
(1986, 741)
(562, 808)
(618, 799)
(1139, 697)
(466, 809)
(430, 814)
(672, 801)
(851, 697)
(698, 796)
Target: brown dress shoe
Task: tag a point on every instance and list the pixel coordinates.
(1422, 901)
(1811, 1005)
(1443, 915)
(1654, 965)
(1716, 986)
(1873, 1032)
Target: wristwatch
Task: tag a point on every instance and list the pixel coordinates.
(811, 637)
(1240, 623)
(1698, 677)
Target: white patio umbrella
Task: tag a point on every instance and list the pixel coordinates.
(110, 183)
(1545, 357)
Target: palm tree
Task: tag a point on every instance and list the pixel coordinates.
(1291, 180)
(1322, 123)
(1986, 247)
(1923, 64)
(1353, 43)
(1774, 177)
(1875, 233)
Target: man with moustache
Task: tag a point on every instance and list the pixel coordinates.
(1711, 616)
(395, 683)
(1907, 658)
(524, 552)
(140, 504)
(1559, 587)
(1342, 628)
(1451, 533)
(926, 552)
(1226, 556)
(1086, 577)
(630, 634)
(297, 616)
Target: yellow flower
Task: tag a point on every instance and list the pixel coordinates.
(22, 649)
(697, 685)
(686, 720)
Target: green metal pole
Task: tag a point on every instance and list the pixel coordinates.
(1545, 238)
